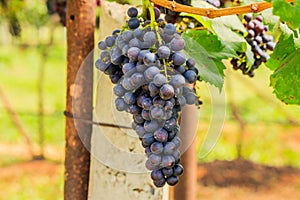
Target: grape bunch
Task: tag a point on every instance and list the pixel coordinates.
(150, 73)
(259, 42)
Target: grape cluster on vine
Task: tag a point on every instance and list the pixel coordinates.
(150, 73)
(259, 41)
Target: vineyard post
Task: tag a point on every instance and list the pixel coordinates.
(80, 20)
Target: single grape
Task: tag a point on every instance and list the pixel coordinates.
(167, 161)
(158, 101)
(138, 119)
(138, 33)
(146, 115)
(151, 72)
(170, 124)
(161, 135)
(169, 148)
(134, 43)
(139, 129)
(177, 43)
(163, 52)
(177, 81)
(155, 159)
(157, 175)
(110, 41)
(178, 170)
(151, 126)
(102, 45)
(190, 76)
(133, 53)
(119, 90)
(160, 182)
(150, 37)
(179, 58)
(137, 79)
(132, 12)
(157, 113)
(159, 80)
(166, 91)
(133, 23)
(120, 104)
(127, 35)
(130, 98)
(167, 172)
(157, 147)
(148, 139)
(170, 29)
(147, 103)
(156, 13)
(172, 180)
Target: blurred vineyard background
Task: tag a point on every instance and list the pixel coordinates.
(32, 89)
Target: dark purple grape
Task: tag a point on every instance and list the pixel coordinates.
(157, 147)
(132, 12)
(178, 170)
(168, 161)
(169, 148)
(172, 180)
(147, 140)
(155, 159)
(146, 115)
(147, 103)
(167, 172)
(161, 135)
(190, 76)
(157, 175)
(133, 23)
(151, 126)
(157, 101)
(159, 183)
(156, 13)
(166, 91)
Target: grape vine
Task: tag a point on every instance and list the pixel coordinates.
(152, 61)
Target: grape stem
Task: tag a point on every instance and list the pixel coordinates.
(214, 12)
(153, 24)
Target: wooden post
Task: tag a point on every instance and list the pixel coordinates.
(80, 20)
(186, 187)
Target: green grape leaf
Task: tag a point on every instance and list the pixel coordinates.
(288, 12)
(210, 70)
(286, 79)
(283, 48)
(212, 44)
(285, 62)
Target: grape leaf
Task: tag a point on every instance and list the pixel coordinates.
(285, 62)
(288, 12)
(210, 70)
(286, 79)
(283, 48)
(212, 44)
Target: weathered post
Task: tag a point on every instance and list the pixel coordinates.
(80, 19)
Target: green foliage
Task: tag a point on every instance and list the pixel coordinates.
(288, 12)
(208, 51)
(286, 77)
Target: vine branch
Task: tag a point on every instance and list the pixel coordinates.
(214, 12)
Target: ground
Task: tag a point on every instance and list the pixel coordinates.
(234, 180)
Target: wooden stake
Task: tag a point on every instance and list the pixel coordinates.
(80, 20)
